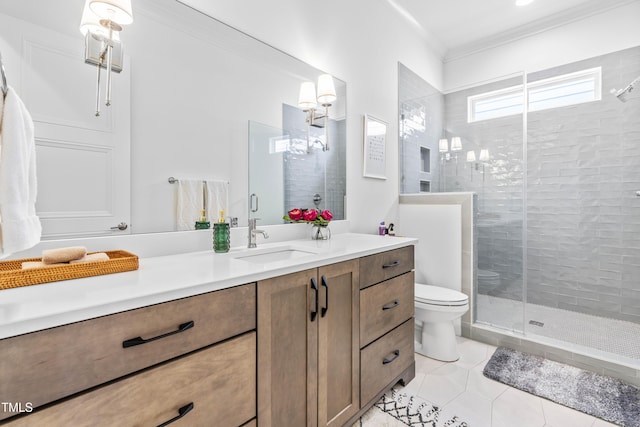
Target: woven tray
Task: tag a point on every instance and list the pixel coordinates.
(13, 276)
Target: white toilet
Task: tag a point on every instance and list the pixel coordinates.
(488, 282)
(435, 310)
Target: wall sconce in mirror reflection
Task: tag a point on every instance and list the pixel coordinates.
(445, 155)
(101, 23)
(308, 100)
(483, 158)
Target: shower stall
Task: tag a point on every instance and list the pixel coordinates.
(554, 159)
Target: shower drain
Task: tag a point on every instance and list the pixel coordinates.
(536, 323)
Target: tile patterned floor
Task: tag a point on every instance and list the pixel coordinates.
(459, 388)
(616, 339)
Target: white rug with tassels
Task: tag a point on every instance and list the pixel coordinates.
(396, 409)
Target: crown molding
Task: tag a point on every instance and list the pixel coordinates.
(577, 13)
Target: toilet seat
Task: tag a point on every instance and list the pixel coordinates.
(437, 295)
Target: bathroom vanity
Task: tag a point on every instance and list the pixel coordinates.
(312, 338)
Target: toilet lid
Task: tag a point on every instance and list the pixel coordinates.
(438, 295)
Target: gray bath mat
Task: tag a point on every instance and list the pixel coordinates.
(603, 397)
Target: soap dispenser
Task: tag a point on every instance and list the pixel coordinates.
(221, 235)
(382, 230)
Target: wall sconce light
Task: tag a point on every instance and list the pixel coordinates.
(443, 148)
(456, 143)
(471, 158)
(308, 100)
(101, 22)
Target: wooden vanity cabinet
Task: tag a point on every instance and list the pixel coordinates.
(308, 347)
(48, 365)
(386, 322)
(213, 386)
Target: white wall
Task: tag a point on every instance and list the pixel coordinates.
(438, 254)
(358, 41)
(607, 32)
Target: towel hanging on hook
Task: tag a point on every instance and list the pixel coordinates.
(5, 87)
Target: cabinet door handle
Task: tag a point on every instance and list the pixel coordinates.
(181, 413)
(391, 264)
(139, 340)
(394, 304)
(396, 354)
(326, 297)
(314, 286)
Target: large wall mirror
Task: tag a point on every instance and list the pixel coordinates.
(182, 108)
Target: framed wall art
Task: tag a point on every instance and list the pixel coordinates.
(375, 136)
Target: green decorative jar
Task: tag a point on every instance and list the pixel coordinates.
(221, 237)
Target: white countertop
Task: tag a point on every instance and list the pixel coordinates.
(165, 278)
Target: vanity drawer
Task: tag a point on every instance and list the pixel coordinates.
(385, 306)
(220, 383)
(383, 360)
(379, 267)
(46, 365)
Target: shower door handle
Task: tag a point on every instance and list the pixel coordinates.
(638, 193)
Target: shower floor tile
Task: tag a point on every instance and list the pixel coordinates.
(616, 339)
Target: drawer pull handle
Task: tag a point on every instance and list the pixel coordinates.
(139, 340)
(314, 286)
(326, 298)
(181, 413)
(392, 305)
(391, 264)
(396, 354)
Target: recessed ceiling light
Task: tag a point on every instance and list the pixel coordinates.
(523, 2)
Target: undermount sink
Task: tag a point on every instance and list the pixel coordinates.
(276, 254)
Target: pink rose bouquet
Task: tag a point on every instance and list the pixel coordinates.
(310, 216)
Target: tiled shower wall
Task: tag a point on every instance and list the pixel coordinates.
(498, 183)
(583, 226)
(421, 119)
(318, 172)
(583, 216)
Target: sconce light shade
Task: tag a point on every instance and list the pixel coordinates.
(90, 22)
(456, 143)
(307, 96)
(471, 156)
(443, 145)
(484, 155)
(326, 89)
(118, 11)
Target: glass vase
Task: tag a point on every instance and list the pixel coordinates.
(320, 232)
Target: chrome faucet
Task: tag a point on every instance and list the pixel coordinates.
(253, 231)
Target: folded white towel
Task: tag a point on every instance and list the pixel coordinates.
(190, 201)
(53, 256)
(38, 264)
(193, 194)
(217, 199)
(98, 256)
(20, 227)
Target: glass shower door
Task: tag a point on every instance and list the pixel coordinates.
(488, 159)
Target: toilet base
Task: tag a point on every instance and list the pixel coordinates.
(441, 342)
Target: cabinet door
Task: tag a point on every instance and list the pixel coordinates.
(338, 344)
(287, 350)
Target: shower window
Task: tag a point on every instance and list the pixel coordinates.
(494, 104)
(564, 90)
(558, 91)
